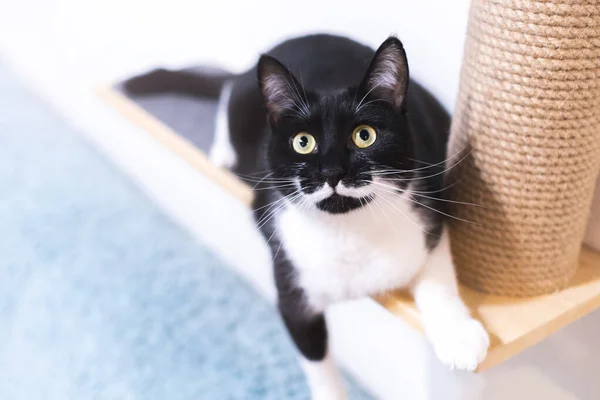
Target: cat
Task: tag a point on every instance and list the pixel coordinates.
(347, 156)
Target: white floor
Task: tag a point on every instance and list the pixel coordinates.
(64, 48)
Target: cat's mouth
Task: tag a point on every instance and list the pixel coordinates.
(338, 204)
(341, 199)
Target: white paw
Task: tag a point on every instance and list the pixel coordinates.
(461, 344)
(334, 393)
(324, 379)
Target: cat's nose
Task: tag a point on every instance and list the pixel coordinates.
(333, 176)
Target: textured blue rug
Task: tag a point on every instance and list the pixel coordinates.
(103, 297)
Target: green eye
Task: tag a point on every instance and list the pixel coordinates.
(363, 136)
(304, 143)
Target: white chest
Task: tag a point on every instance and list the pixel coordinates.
(370, 250)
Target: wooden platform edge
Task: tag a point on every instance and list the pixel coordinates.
(398, 303)
(176, 143)
(547, 314)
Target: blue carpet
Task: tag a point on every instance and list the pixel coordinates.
(103, 297)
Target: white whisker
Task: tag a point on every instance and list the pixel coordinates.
(287, 185)
(397, 190)
(392, 171)
(429, 176)
(302, 107)
(364, 97)
(269, 213)
(416, 193)
(381, 196)
(386, 217)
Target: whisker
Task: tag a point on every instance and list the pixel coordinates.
(277, 252)
(404, 215)
(253, 174)
(272, 235)
(265, 177)
(302, 204)
(443, 213)
(263, 221)
(304, 91)
(364, 97)
(370, 207)
(445, 200)
(386, 217)
(416, 193)
(271, 204)
(268, 180)
(393, 171)
(277, 210)
(426, 206)
(436, 191)
(276, 186)
(267, 205)
(428, 176)
(372, 101)
(302, 107)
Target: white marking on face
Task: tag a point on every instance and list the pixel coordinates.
(356, 192)
(326, 191)
(318, 195)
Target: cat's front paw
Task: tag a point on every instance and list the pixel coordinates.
(330, 393)
(461, 344)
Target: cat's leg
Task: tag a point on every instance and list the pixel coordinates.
(305, 322)
(309, 333)
(459, 341)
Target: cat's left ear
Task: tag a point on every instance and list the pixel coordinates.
(387, 76)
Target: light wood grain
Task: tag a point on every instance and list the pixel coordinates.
(513, 324)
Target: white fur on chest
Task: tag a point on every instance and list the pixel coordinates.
(373, 249)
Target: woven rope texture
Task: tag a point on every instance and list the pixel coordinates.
(526, 131)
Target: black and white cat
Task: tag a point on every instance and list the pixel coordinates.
(348, 158)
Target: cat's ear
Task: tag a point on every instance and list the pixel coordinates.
(387, 76)
(279, 88)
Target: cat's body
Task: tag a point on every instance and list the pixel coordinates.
(347, 160)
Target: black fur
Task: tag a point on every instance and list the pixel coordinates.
(186, 81)
(329, 76)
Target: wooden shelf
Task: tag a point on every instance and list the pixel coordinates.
(516, 324)
(513, 324)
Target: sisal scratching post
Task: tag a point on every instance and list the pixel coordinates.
(526, 131)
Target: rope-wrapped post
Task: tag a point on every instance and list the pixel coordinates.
(525, 143)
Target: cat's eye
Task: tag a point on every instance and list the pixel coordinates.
(304, 143)
(363, 136)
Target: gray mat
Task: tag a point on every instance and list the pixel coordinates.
(191, 117)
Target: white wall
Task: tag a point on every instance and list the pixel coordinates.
(66, 47)
(113, 36)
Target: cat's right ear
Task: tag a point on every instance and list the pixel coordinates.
(387, 78)
(279, 88)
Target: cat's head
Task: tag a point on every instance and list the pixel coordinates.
(331, 150)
